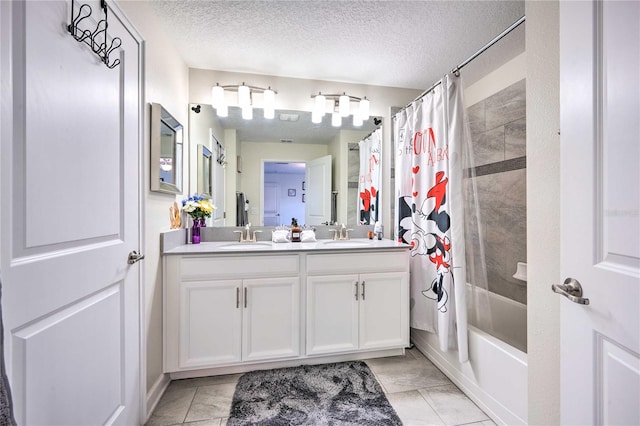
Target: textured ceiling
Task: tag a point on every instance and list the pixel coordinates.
(408, 44)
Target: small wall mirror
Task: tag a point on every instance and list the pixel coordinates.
(205, 167)
(166, 151)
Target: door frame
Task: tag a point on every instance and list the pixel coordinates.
(266, 160)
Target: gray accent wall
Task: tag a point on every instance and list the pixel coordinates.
(498, 133)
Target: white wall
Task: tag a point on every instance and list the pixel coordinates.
(167, 83)
(543, 215)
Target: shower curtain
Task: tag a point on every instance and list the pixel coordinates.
(431, 136)
(369, 178)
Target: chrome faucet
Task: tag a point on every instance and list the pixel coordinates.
(245, 236)
(341, 233)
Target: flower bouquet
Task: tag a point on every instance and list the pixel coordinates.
(199, 208)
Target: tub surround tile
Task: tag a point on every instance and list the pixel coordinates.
(476, 115)
(506, 106)
(515, 139)
(452, 406)
(412, 409)
(502, 190)
(488, 147)
(211, 402)
(173, 407)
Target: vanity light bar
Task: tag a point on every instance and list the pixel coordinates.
(342, 102)
(244, 100)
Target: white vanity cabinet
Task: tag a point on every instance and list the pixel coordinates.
(365, 310)
(222, 310)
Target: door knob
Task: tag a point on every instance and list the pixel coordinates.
(572, 290)
(134, 257)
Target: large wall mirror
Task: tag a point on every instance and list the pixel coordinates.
(166, 151)
(265, 157)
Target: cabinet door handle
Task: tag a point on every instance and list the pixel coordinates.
(245, 297)
(362, 290)
(356, 295)
(237, 297)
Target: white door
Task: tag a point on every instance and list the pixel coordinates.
(318, 191)
(271, 211)
(600, 211)
(70, 142)
(271, 318)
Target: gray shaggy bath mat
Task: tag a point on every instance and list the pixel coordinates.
(344, 393)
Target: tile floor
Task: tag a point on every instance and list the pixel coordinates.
(417, 390)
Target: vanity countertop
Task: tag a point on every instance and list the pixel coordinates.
(234, 247)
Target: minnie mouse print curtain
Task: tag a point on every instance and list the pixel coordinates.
(430, 137)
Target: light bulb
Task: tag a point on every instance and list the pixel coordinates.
(343, 105)
(316, 117)
(217, 96)
(364, 109)
(357, 119)
(336, 119)
(244, 96)
(269, 104)
(320, 106)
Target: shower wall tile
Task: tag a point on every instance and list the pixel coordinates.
(499, 190)
(353, 159)
(498, 132)
(476, 116)
(506, 106)
(352, 205)
(515, 139)
(488, 147)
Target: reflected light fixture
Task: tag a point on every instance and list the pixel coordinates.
(244, 100)
(269, 103)
(316, 117)
(341, 103)
(357, 119)
(336, 117)
(320, 105)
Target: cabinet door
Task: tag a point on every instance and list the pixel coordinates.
(271, 318)
(384, 310)
(332, 314)
(210, 323)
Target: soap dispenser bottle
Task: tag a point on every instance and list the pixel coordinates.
(295, 231)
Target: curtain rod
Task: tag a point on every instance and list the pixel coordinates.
(457, 69)
(372, 132)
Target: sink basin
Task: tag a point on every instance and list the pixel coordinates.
(246, 246)
(347, 243)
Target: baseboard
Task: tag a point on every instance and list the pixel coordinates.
(317, 359)
(155, 393)
(498, 412)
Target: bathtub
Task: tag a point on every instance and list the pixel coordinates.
(495, 377)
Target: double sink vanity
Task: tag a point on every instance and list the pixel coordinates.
(232, 307)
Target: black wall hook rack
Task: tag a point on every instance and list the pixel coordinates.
(97, 39)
